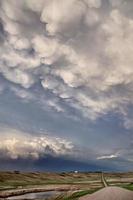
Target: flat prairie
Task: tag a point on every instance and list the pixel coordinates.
(19, 183)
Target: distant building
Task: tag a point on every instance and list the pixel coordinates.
(17, 172)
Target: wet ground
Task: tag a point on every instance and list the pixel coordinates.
(33, 196)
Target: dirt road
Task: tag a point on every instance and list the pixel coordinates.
(110, 193)
(103, 180)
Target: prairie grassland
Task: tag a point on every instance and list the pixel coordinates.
(19, 179)
(73, 185)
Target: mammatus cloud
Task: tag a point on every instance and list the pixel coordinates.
(15, 144)
(84, 58)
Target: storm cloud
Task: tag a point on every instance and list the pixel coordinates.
(24, 146)
(84, 58)
(77, 52)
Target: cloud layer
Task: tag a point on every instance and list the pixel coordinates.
(24, 146)
(71, 57)
(84, 59)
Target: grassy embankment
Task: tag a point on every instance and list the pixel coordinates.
(15, 180)
(124, 180)
(127, 186)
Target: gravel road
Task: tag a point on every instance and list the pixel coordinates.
(110, 193)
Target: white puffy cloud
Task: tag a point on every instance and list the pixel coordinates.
(19, 43)
(22, 93)
(55, 14)
(74, 49)
(20, 77)
(46, 48)
(15, 144)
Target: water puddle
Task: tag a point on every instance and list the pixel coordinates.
(38, 196)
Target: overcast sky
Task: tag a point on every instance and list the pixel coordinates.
(66, 84)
